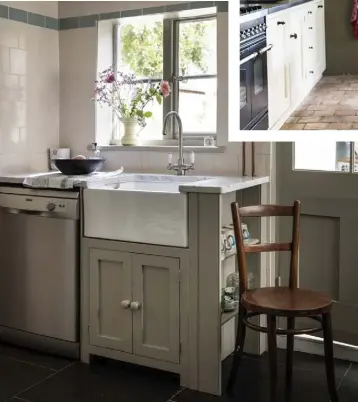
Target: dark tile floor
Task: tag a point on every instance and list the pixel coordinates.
(32, 377)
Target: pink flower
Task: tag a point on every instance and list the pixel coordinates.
(165, 88)
(110, 78)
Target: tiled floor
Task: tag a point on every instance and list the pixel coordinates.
(332, 105)
(28, 376)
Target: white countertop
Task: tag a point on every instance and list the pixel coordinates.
(209, 184)
(223, 185)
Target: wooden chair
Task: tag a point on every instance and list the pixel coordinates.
(289, 302)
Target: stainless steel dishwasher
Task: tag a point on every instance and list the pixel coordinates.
(39, 269)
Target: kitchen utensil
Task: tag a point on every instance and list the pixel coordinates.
(73, 167)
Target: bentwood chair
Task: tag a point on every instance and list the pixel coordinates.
(289, 302)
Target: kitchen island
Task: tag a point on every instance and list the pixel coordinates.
(155, 300)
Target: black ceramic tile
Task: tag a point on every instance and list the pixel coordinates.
(131, 13)
(36, 19)
(29, 356)
(200, 4)
(176, 7)
(52, 23)
(88, 21)
(17, 376)
(4, 11)
(154, 10)
(17, 15)
(69, 23)
(253, 385)
(108, 382)
(348, 390)
(110, 16)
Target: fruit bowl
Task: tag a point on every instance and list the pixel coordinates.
(75, 167)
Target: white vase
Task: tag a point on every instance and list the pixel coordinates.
(130, 131)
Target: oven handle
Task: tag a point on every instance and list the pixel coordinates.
(265, 50)
(248, 58)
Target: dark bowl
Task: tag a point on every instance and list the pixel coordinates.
(74, 167)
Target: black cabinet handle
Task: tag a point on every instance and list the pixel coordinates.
(311, 47)
(309, 12)
(281, 23)
(310, 28)
(320, 6)
(311, 72)
(294, 36)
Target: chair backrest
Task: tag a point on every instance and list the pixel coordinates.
(266, 211)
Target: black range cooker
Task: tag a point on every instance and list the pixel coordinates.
(253, 68)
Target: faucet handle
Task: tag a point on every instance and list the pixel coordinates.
(192, 158)
(170, 158)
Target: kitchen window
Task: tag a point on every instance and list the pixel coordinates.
(182, 51)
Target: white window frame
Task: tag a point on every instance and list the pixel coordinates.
(170, 72)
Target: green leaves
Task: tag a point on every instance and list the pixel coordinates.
(159, 99)
(147, 114)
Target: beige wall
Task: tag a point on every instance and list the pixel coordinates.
(78, 8)
(48, 8)
(342, 55)
(29, 91)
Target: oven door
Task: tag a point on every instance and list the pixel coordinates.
(245, 87)
(259, 87)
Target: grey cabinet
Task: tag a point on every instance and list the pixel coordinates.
(134, 303)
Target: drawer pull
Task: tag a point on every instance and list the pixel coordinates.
(281, 23)
(294, 36)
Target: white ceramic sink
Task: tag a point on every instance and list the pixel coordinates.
(140, 208)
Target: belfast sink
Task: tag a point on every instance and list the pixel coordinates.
(139, 208)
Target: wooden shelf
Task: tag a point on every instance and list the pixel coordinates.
(225, 317)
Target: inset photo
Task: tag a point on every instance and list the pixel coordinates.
(298, 61)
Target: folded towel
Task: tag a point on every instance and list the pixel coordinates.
(61, 181)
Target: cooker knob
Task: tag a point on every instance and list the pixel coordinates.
(51, 206)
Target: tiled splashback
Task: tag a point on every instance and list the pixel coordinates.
(86, 21)
(29, 90)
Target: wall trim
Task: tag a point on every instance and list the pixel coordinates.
(88, 21)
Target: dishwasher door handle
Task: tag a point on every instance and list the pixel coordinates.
(43, 214)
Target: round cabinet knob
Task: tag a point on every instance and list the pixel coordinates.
(135, 306)
(294, 36)
(126, 304)
(51, 206)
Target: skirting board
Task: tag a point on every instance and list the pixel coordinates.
(314, 346)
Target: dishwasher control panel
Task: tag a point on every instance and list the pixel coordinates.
(55, 207)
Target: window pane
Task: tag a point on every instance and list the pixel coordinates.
(197, 47)
(154, 128)
(141, 48)
(197, 105)
(321, 155)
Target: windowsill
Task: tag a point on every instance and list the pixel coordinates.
(162, 148)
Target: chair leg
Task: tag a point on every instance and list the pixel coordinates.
(239, 349)
(329, 358)
(289, 358)
(272, 351)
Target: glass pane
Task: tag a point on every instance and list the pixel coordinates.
(154, 128)
(197, 105)
(197, 47)
(141, 48)
(243, 89)
(321, 155)
(258, 76)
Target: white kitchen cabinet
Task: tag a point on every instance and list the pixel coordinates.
(134, 304)
(320, 36)
(277, 66)
(294, 64)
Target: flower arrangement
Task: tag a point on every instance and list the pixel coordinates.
(128, 97)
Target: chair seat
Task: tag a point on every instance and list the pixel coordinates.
(286, 302)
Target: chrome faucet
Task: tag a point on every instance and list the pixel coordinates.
(181, 167)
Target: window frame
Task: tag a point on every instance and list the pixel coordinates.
(170, 72)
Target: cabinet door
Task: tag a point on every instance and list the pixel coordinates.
(110, 285)
(295, 52)
(156, 322)
(277, 67)
(320, 37)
